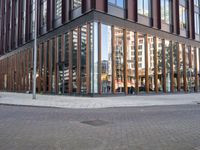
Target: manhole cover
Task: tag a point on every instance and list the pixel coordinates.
(95, 122)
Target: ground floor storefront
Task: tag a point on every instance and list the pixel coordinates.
(100, 59)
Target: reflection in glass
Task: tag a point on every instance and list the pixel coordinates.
(181, 55)
(167, 64)
(106, 60)
(53, 66)
(175, 65)
(119, 60)
(191, 72)
(94, 57)
(131, 62)
(160, 65)
(66, 63)
(141, 62)
(60, 67)
(74, 60)
(187, 63)
(83, 59)
(151, 63)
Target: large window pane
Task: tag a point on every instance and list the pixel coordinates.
(141, 62)
(119, 60)
(74, 60)
(94, 57)
(160, 65)
(131, 62)
(181, 55)
(119, 3)
(83, 59)
(144, 7)
(175, 65)
(106, 60)
(151, 63)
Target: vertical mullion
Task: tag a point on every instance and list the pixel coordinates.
(99, 58)
(56, 64)
(156, 64)
(136, 64)
(146, 64)
(172, 66)
(88, 59)
(50, 66)
(70, 61)
(164, 65)
(78, 77)
(113, 58)
(45, 67)
(125, 60)
(178, 68)
(196, 69)
(184, 68)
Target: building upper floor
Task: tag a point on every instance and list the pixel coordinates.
(17, 17)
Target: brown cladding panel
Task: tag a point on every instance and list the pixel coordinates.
(156, 14)
(65, 11)
(86, 5)
(101, 5)
(132, 10)
(191, 20)
(175, 14)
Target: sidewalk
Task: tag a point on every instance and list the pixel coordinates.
(97, 102)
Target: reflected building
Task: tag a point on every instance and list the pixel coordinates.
(107, 47)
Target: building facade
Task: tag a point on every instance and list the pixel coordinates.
(101, 47)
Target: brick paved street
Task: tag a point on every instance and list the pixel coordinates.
(139, 128)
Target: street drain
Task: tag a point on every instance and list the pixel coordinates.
(95, 123)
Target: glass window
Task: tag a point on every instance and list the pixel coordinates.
(119, 3)
(24, 18)
(106, 59)
(182, 17)
(76, 3)
(141, 62)
(168, 65)
(58, 8)
(165, 11)
(32, 16)
(187, 62)
(74, 60)
(144, 7)
(196, 17)
(94, 57)
(66, 67)
(160, 64)
(43, 12)
(151, 63)
(119, 60)
(192, 70)
(181, 57)
(131, 62)
(83, 59)
(196, 2)
(175, 65)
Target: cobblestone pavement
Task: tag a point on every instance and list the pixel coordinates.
(138, 128)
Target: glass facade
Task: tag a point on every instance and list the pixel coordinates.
(165, 10)
(183, 17)
(144, 7)
(100, 59)
(106, 60)
(119, 3)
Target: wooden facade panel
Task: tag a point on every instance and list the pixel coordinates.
(100, 5)
(113, 59)
(156, 63)
(175, 15)
(191, 19)
(132, 10)
(156, 14)
(136, 64)
(146, 64)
